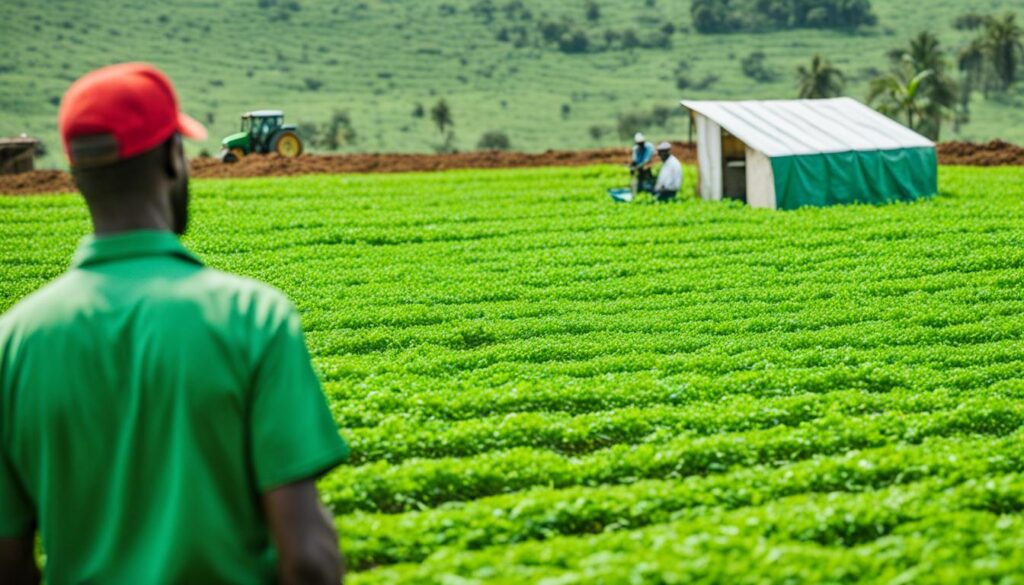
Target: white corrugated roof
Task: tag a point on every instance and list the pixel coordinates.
(799, 127)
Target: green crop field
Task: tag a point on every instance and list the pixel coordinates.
(542, 387)
(378, 59)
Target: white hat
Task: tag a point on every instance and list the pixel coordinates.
(639, 137)
(664, 146)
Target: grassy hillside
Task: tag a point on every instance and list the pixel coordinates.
(539, 386)
(377, 59)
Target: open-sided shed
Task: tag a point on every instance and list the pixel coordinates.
(787, 154)
(17, 154)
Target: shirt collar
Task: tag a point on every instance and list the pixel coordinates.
(136, 244)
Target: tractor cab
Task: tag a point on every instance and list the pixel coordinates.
(262, 123)
(262, 131)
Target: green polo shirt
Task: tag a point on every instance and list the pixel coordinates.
(146, 402)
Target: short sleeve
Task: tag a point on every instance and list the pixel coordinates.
(16, 512)
(294, 437)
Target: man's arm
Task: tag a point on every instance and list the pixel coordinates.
(293, 440)
(303, 531)
(17, 560)
(649, 163)
(18, 522)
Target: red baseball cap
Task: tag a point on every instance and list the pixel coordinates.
(121, 111)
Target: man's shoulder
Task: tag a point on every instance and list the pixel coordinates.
(46, 303)
(242, 292)
(237, 303)
(228, 282)
(220, 293)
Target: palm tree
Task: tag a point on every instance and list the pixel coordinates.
(973, 76)
(821, 80)
(899, 94)
(938, 93)
(972, 63)
(1004, 47)
(925, 52)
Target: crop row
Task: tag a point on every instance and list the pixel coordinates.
(704, 321)
(400, 437)
(459, 347)
(505, 391)
(581, 263)
(543, 513)
(419, 483)
(732, 284)
(827, 303)
(824, 538)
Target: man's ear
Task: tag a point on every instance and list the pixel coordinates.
(176, 166)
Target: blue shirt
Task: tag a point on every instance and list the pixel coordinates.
(642, 156)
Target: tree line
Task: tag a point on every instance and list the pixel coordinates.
(729, 16)
(520, 27)
(922, 87)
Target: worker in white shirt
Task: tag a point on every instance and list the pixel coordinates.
(670, 179)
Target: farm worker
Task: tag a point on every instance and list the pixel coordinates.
(670, 178)
(640, 164)
(160, 421)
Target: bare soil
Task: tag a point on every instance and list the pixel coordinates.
(267, 166)
(990, 154)
(35, 182)
(995, 153)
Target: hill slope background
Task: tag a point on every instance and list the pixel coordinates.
(380, 61)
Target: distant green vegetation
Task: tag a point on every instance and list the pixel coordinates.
(721, 16)
(363, 74)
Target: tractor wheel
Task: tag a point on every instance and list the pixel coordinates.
(227, 156)
(287, 144)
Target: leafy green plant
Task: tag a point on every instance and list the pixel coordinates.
(539, 385)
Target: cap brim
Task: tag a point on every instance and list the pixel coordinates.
(190, 127)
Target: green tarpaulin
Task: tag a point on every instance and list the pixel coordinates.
(880, 176)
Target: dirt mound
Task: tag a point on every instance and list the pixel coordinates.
(267, 166)
(989, 154)
(992, 153)
(34, 182)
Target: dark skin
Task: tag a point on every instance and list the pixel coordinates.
(18, 559)
(150, 191)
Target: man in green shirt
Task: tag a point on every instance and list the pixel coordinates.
(160, 421)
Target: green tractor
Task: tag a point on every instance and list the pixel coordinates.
(263, 131)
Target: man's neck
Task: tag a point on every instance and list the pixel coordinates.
(109, 220)
(115, 228)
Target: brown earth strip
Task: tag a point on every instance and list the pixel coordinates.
(35, 182)
(266, 166)
(995, 153)
(990, 154)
